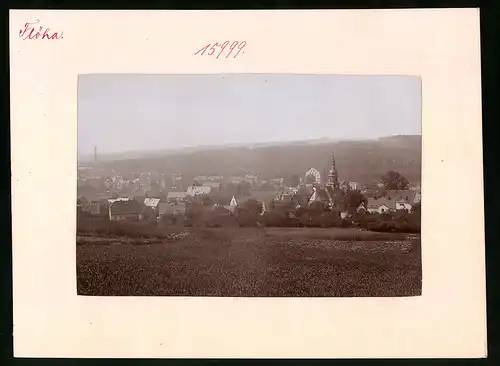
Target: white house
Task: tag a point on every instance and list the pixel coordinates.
(198, 190)
(403, 205)
(214, 186)
(376, 205)
(418, 196)
(344, 215)
(176, 196)
(382, 205)
(113, 200)
(151, 202)
(354, 186)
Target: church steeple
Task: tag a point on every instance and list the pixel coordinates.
(333, 178)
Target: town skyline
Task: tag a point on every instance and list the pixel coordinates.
(249, 185)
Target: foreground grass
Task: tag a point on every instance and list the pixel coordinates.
(250, 262)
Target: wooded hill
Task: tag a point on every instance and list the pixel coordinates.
(361, 161)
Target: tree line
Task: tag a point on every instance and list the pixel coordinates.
(356, 161)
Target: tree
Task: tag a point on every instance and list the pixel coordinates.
(416, 208)
(229, 189)
(243, 188)
(267, 186)
(205, 200)
(310, 179)
(379, 193)
(252, 206)
(294, 180)
(352, 199)
(393, 180)
(149, 214)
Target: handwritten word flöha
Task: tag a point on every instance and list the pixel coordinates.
(34, 31)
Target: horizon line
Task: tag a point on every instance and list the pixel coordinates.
(91, 155)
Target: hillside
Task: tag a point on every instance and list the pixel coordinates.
(361, 161)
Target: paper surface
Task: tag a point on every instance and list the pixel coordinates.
(442, 46)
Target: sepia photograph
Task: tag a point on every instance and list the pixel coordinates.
(249, 185)
(234, 196)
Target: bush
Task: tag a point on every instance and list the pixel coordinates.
(345, 223)
(106, 227)
(248, 219)
(275, 217)
(220, 219)
(399, 221)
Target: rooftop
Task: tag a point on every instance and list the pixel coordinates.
(125, 208)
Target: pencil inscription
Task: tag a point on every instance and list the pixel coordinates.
(219, 48)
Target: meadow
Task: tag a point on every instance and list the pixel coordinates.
(251, 262)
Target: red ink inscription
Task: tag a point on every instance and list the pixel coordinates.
(34, 31)
(235, 46)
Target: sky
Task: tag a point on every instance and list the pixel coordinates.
(133, 112)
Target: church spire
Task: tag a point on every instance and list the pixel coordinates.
(333, 178)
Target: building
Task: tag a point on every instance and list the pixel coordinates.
(172, 208)
(91, 207)
(277, 181)
(403, 205)
(113, 200)
(140, 198)
(321, 195)
(176, 196)
(252, 178)
(414, 186)
(383, 205)
(125, 210)
(284, 199)
(177, 181)
(198, 190)
(151, 202)
(213, 185)
(285, 196)
(329, 194)
(215, 178)
(410, 196)
(233, 205)
(200, 178)
(354, 186)
(314, 173)
(236, 180)
(418, 196)
(344, 185)
(377, 205)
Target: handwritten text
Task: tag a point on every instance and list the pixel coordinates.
(34, 31)
(219, 49)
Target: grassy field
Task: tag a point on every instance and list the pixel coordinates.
(252, 262)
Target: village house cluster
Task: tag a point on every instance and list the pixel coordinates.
(153, 195)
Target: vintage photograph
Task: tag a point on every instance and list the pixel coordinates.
(249, 185)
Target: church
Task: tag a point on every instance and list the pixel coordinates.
(330, 193)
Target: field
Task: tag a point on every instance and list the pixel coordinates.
(251, 262)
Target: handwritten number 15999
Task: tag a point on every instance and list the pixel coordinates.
(220, 48)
